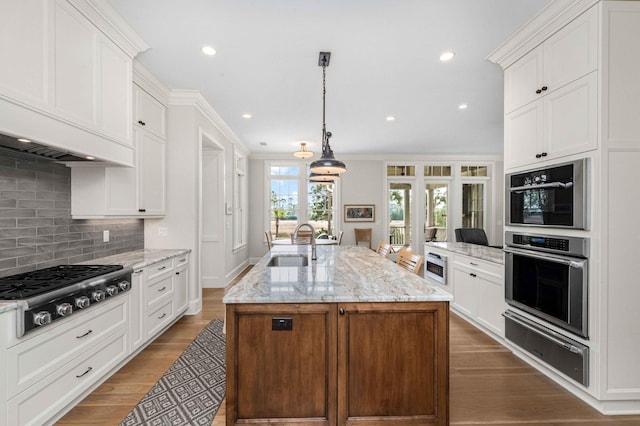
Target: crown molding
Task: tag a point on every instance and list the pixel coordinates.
(150, 83)
(194, 98)
(103, 16)
(550, 19)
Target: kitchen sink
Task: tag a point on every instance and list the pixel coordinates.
(289, 260)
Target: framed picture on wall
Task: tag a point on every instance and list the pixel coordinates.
(359, 213)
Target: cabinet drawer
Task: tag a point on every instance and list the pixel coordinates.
(480, 265)
(158, 290)
(159, 318)
(158, 269)
(180, 260)
(42, 401)
(36, 358)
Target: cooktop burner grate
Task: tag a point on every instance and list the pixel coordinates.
(30, 284)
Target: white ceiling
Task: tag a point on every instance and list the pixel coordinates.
(384, 62)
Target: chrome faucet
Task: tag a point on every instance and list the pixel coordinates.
(313, 238)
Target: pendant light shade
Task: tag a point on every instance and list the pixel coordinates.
(303, 153)
(327, 164)
(318, 178)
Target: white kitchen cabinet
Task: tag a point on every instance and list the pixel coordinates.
(72, 87)
(560, 124)
(137, 335)
(181, 282)
(151, 174)
(565, 57)
(551, 96)
(150, 114)
(479, 292)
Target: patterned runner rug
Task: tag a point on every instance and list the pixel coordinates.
(191, 391)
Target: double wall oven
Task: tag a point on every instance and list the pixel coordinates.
(547, 273)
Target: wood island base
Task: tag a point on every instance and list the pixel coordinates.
(338, 363)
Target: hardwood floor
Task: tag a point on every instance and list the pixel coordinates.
(489, 385)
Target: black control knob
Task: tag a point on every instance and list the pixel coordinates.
(64, 309)
(42, 318)
(82, 302)
(112, 290)
(98, 295)
(124, 285)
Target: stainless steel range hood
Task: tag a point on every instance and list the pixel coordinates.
(40, 150)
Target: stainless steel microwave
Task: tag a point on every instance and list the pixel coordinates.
(554, 196)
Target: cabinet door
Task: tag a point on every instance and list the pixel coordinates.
(465, 292)
(137, 313)
(572, 52)
(393, 363)
(24, 41)
(522, 79)
(180, 289)
(283, 365)
(150, 114)
(491, 303)
(523, 132)
(121, 191)
(151, 173)
(571, 118)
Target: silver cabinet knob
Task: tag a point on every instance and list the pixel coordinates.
(42, 318)
(83, 302)
(64, 309)
(112, 290)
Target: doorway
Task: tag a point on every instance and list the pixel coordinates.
(212, 219)
(400, 198)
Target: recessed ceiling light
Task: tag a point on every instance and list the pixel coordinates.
(247, 116)
(447, 56)
(390, 118)
(88, 157)
(23, 140)
(463, 106)
(208, 50)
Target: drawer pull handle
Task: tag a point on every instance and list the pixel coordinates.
(138, 271)
(162, 316)
(162, 289)
(473, 264)
(86, 372)
(341, 311)
(473, 275)
(160, 269)
(85, 334)
(177, 273)
(183, 260)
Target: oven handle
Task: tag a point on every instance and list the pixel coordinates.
(547, 335)
(542, 186)
(580, 264)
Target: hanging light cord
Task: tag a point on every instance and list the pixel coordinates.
(325, 135)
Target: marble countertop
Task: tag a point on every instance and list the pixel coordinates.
(341, 274)
(490, 254)
(135, 259)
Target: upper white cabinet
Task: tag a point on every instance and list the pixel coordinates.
(138, 191)
(64, 82)
(565, 57)
(551, 96)
(150, 114)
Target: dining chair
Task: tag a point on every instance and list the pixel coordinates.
(409, 261)
(363, 235)
(267, 234)
(384, 249)
(340, 237)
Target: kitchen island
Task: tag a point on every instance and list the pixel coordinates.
(348, 339)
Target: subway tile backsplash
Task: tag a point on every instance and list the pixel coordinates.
(36, 229)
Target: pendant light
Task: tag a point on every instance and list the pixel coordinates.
(318, 178)
(303, 153)
(327, 164)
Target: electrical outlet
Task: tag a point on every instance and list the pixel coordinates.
(163, 232)
(105, 236)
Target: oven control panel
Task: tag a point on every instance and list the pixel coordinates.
(565, 245)
(559, 244)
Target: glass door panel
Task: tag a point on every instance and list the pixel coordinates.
(473, 205)
(435, 224)
(400, 211)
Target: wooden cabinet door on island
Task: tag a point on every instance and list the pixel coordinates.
(338, 364)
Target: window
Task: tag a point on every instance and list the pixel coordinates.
(240, 215)
(473, 171)
(437, 171)
(435, 228)
(400, 170)
(473, 205)
(293, 200)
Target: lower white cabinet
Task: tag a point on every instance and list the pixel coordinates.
(478, 292)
